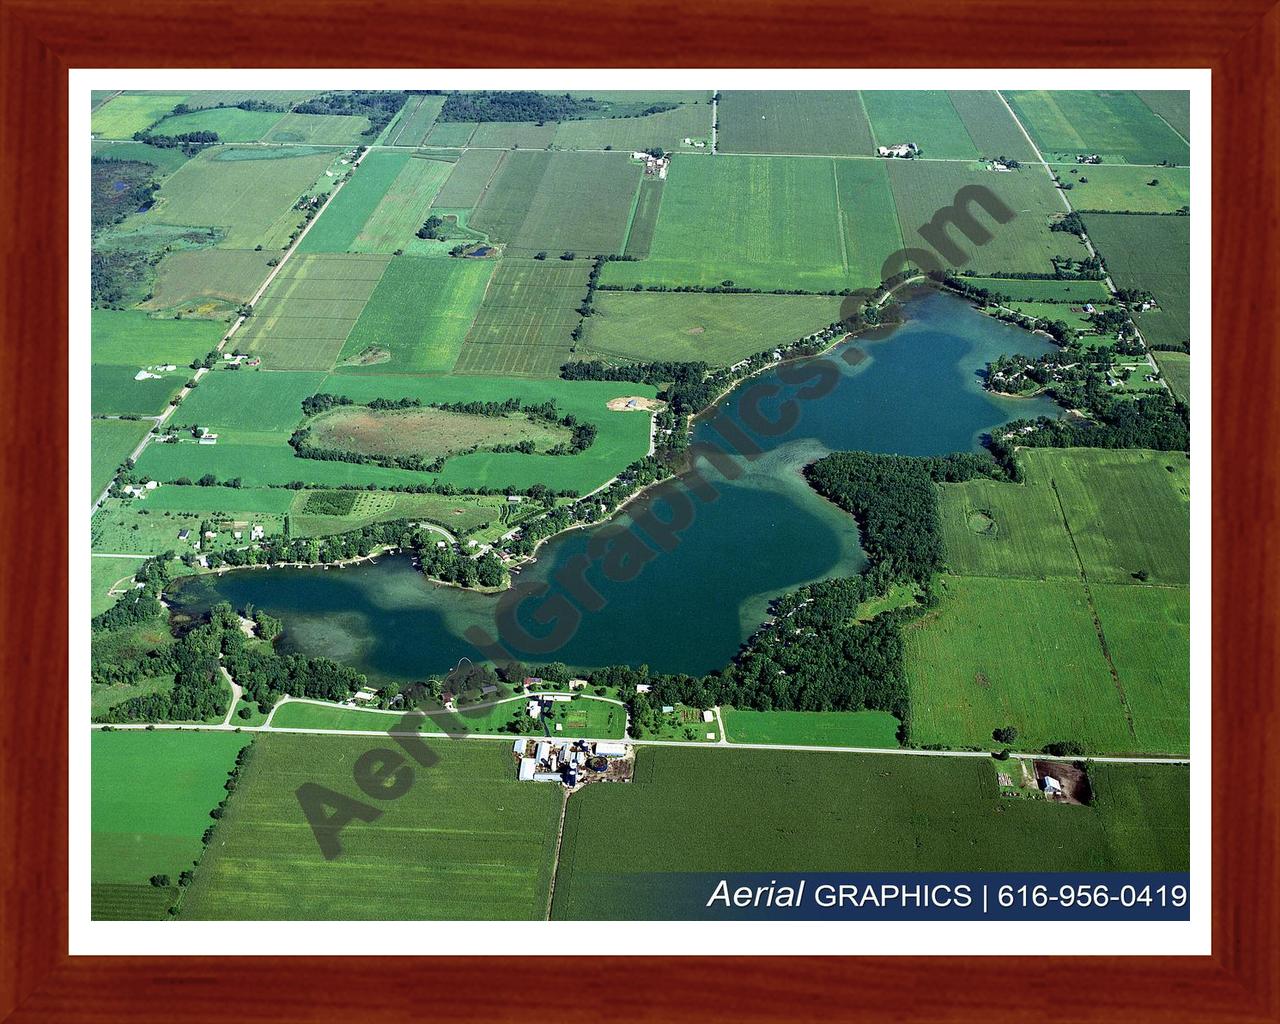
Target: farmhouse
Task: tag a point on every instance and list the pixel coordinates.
(571, 762)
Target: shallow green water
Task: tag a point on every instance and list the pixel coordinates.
(688, 609)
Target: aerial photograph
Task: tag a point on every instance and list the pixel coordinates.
(506, 503)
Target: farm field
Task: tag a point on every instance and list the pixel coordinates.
(467, 841)
(1072, 293)
(1176, 369)
(986, 658)
(127, 113)
(320, 129)
(417, 317)
(468, 178)
(688, 810)
(764, 222)
(508, 135)
(524, 322)
(667, 130)
(1118, 126)
(1152, 253)
(799, 123)
(427, 433)
(1122, 188)
(152, 793)
(411, 126)
(250, 400)
(247, 194)
(112, 441)
(127, 337)
(231, 123)
(644, 218)
(279, 97)
(812, 728)
(335, 230)
(303, 320)
(990, 125)
(403, 208)
(311, 514)
(690, 326)
(114, 392)
(1174, 107)
(207, 282)
(166, 161)
(448, 134)
(921, 189)
(927, 117)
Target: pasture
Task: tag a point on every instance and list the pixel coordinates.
(1025, 243)
(523, 325)
(127, 113)
(769, 223)
(467, 841)
(231, 123)
(1045, 290)
(812, 728)
(561, 201)
(689, 811)
(990, 125)
(247, 194)
(460, 513)
(152, 793)
(142, 527)
(926, 117)
(418, 316)
(129, 337)
(1122, 188)
(798, 123)
(691, 326)
(166, 161)
(111, 443)
(449, 135)
(207, 282)
(320, 129)
(667, 130)
(1117, 125)
(1176, 369)
(429, 433)
(1152, 253)
(414, 121)
(336, 229)
(250, 400)
(509, 135)
(403, 207)
(468, 179)
(304, 318)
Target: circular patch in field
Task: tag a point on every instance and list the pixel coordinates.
(634, 403)
(695, 330)
(369, 356)
(981, 522)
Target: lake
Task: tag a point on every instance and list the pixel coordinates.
(913, 390)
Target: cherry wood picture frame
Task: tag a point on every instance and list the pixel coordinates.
(41, 39)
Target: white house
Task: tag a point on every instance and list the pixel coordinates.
(708, 716)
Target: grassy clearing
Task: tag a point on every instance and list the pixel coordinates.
(717, 329)
(927, 117)
(112, 441)
(812, 728)
(231, 123)
(128, 337)
(1153, 253)
(999, 652)
(1025, 243)
(579, 202)
(152, 793)
(1067, 293)
(149, 527)
(467, 840)
(280, 97)
(336, 229)
(1117, 126)
(320, 129)
(303, 320)
(1122, 188)
(127, 113)
(247, 194)
(990, 125)
(430, 433)
(1176, 368)
(417, 317)
(524, 323)
(689, 810)
(415, 121)
(403, 208)
(207, 282)
(667, 130)
(800, 123)
(469, 178)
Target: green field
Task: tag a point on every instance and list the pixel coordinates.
(1123, 188)
(459, 512)
(114, 392)
(303, 320)
(561, 201)
(410, 128)
(337, 228)
(524, 323)
(798, 123)
(692, 326)
(667, 130)
(768, 222)
(927, 117)
(403, 208)
(112, 441)
(812, 728)
(417, 317)
(247, 194)
(738, 810)
(230, 97)
(207, 282)
(320, 129)
(644, 219)
(1070, 293)
(151, 525)
(428, 433)
(166, 161)
(468, 179)
(1117, 126)
(1174, 107)
(127, 113)
(508, 135)
(152, 793)
(1153, 253)
(467, 841)
(450, 135)
(231, 123)
(255, 412)
(922, 189)
(126, 337)
(1176, 369)
(992, 128)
